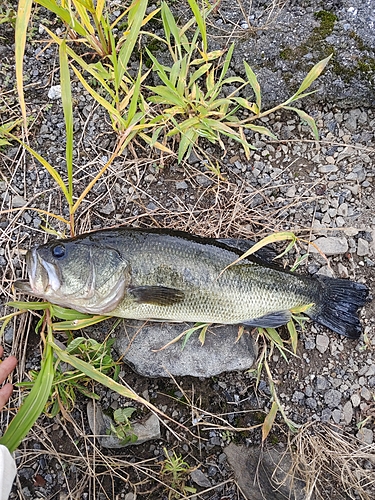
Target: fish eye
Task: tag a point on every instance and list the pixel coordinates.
(58, 251)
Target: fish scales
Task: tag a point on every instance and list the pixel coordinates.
(242, 292)
(175, 276)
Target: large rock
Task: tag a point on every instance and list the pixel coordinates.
(263, 474)
(140, 348)
(303, 33)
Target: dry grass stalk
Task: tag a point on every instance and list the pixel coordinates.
(243, 10)
(332, 463)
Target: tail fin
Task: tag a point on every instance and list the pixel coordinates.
(338, 305)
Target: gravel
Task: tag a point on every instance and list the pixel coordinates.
(324, 191)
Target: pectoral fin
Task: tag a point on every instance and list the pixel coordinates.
(157, 295)
(272, 320)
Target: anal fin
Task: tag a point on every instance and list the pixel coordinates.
(271, 320)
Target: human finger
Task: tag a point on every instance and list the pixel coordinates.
(6, 367)
(5, 393)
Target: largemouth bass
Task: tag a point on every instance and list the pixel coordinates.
(174, 276)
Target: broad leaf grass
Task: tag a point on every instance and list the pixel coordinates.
(190, 102)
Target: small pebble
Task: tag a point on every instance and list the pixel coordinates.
(327, 169)
(18, 201)
(356, 399)
(347, 412)
(54, 92)
(181, 185)
(366, 435)
(322, 343)
(336, 415)
(363, 247)
(366, 394)
(332, 398)
(200, 479)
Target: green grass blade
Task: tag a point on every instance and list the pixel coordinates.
(188, 333)
(33, 405)
(162, 74)
(210, 82)
(187, 140)
(99, 8)
(226, 64)
(251, 106)
(275, 337)
(187, 336)
(166, 25)
(77, 324)
(53, 173)
(214, 90)
(175, 72)
(65, 15)
(170, 27)
(299, 261)
(183, 126)
(182, 80)
(98, 376)
(66, 314)
(66, 97)
(8, 127)
(254, 85)
(22, 21)
(156, 144)
(210, 56)
(201, 22)
(269, 420)
(133, 106)
(85, 19)
(98, 98)
(312, 75)
(293, 335)
(169, 96)
(306, 118)
(223, 103)
(261, 130)
(136, 15)
(94, 70)
(272, 238)
(202, 335)
(232, 79)
(28, 306)
(199, 72)
(113, 58)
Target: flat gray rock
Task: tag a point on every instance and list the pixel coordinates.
(330, 245)
(99, 423)
(264, 474)
(140, 348)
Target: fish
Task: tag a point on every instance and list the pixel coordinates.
(173, 276)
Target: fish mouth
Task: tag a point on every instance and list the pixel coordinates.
(25, 285)
(43, 276)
